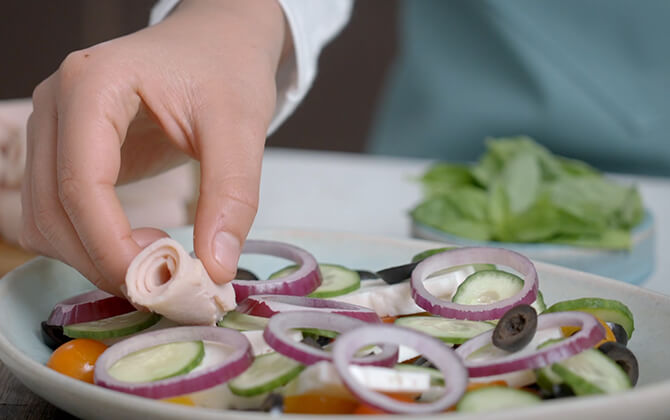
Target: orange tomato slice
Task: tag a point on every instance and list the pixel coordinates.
(609, 335)
(77, 358)
(318, 404)
(182, 399)
(367, 409)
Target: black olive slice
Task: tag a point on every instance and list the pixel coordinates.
(623, 357)
(311, 341)
(516, 328)
(53, 336)
(244, 274)
(561, 391)
(423, 362)
(397, 274)
(619, 333)
(273, 403)
(367, 275)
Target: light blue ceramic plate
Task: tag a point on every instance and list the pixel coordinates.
(633, 266)
(28, 293)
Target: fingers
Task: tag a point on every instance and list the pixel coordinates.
(230, 157)
(41, 123)
(70, 208)
(91, 129)
(146, 236)
(49, 217)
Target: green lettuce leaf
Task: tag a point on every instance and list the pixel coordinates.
(520, 192)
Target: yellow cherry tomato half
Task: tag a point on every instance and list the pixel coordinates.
(609, 335)
(318, 404)
(77, 358)
(182, 399)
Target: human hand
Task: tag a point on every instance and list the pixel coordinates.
(200, 84)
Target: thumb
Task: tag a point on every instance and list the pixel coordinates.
(230, 168)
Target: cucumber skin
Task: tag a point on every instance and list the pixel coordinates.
(229, 321)
(266, 386)
(539, 304)
(189, 367)
(121, 332)
(335, 293)
(429, 252)
(469, 403)
(607, 310)
(322, 294)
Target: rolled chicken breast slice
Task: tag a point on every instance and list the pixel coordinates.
(165, 279)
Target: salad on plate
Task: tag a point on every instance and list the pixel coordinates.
(455, 329)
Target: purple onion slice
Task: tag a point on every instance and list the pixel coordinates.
(277, 336)
(87, 307)
(299, 283)
(591, 332)
(238, 361)
(463, 256)
(449, 364)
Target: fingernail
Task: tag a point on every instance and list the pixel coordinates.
(226, 251)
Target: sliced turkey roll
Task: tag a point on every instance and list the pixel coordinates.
(165, 279)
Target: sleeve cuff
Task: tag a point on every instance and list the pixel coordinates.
(312, 24)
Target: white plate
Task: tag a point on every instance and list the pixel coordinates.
(28, 293)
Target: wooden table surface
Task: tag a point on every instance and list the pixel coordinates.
(17, 401)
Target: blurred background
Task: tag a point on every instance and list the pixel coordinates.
(36, 35)
(49, 30)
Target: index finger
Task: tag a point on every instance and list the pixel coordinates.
(91, 130)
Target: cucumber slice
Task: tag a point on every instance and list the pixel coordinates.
(242, 322)
(337, 280)
(453, 331)
(159, 362)
(267, 372)
(605, 309)
(539, 304)
(316, 333)
(546, 378)
(591, 372)
(493, 398)
(487, 286)
(430, 252)
(115, 326)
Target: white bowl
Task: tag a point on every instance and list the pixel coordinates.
(28, 293)
(633, 266)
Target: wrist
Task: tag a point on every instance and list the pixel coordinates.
(260, 24)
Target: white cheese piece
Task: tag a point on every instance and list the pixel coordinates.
(396, 299)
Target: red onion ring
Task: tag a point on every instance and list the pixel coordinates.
(87, 307)
(276, 336)
(239, 360)
(589, 335)
(442, 356)
(463, 256)
(299, 283)
(269, 305)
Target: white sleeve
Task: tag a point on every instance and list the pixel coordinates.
(313, 24)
